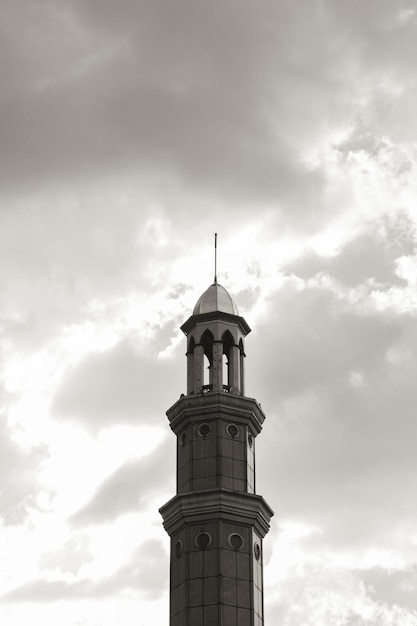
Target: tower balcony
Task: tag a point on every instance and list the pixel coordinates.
(214, 405)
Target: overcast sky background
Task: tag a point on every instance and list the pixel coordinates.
(130, 132)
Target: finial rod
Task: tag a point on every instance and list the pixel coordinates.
(215, 257)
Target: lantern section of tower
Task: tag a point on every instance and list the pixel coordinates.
(216, 521)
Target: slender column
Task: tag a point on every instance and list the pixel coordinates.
(190, 373)
(234, 367)
(198, 368)
(217, 366)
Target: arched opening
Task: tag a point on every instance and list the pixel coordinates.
(228, 343)
(206, 371)
(225, 366)
(207, 341)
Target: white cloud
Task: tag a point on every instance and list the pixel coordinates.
(324, 595)
(20, 488)
(142, 576)
(70, 557)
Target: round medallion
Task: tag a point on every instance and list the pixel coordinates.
(250, 440)
(203, 541)
(235, 541)
(232, 430)
(204, 430)
(257, 551)
(183, 438)
(179, 548)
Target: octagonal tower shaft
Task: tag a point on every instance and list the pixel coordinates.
(216, 521)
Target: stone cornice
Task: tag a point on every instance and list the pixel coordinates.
(213, 316)
(235, 507)
(215, 404)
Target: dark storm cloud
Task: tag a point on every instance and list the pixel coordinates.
(56, 255)
(122, 385)
(144, 574)
(157, 86)
(130, 487)
(221, 96)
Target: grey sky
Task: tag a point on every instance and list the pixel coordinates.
(130, 132)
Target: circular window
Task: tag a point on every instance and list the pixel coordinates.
(203, 541)
(250, 440)
(183, 438)
(204, 430)
(235, 541)
(257, 551)
(232, 430)
(179, 548)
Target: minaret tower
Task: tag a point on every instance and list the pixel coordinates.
(216, 521)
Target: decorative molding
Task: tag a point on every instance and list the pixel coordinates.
(239, 508)
(215, 316)
(216, 404)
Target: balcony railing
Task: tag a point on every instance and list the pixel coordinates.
(208, 388)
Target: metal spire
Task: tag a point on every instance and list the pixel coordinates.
(215, 257)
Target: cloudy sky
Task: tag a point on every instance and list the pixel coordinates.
(131, 131)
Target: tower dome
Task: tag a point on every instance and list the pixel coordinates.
(215, 298)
